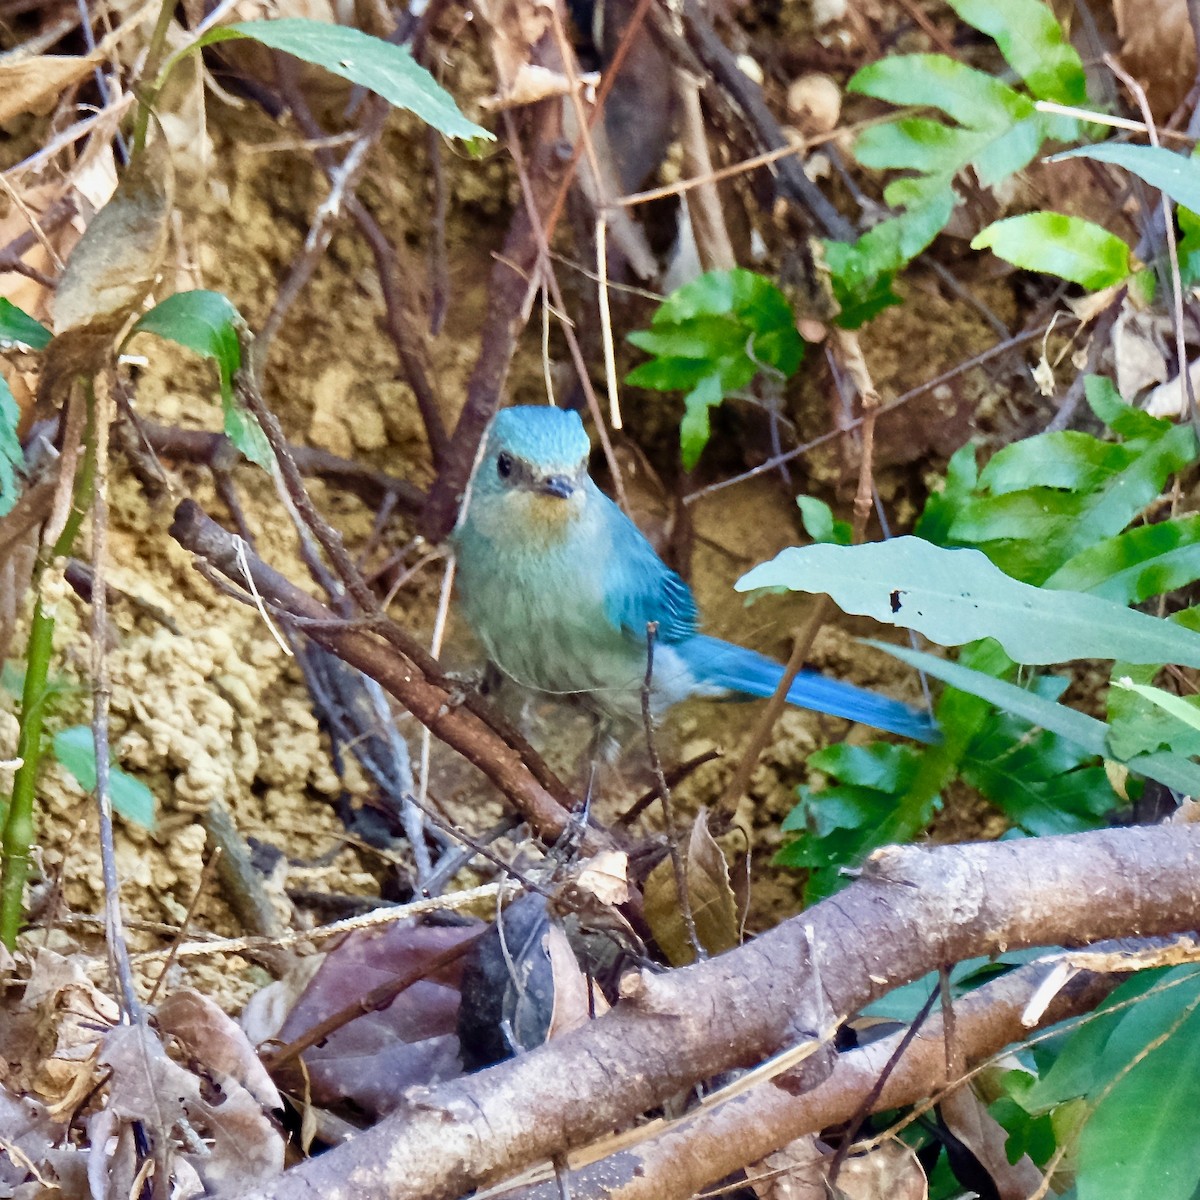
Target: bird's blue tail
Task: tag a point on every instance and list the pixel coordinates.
(723, 665)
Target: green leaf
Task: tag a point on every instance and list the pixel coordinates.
(973, 98)
(957, 596)
(1031, 40)
(12, 457)
(75, 749)
(1141, 1139)
(862, 271)
(208, 323)
(388, 70)
(711, 337)
(1137, 564)
(1056, 244)
(1136, 726)
(17, 327)
(1176, 706)
(694, 430)
(820, 523)
(1086, 732)
(1175, 174)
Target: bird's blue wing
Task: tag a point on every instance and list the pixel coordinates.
(641, 588)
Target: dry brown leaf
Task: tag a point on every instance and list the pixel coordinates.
(606, 876)
(115, 264)
(714, 906)
(1157, 47)
(797, 1172)
(968, 1119)
(32, 85)
(215, 1041)
(243, 1147)
(889, 1172)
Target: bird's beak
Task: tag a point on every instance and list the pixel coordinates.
(557, 485)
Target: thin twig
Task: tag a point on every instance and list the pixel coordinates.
(1016, 341)
(664, 792)
(118, 950)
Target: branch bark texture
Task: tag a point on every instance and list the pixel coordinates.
(914, 909)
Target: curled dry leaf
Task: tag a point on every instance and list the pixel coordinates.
(33, 84)
(242, 1145)
(714, 906)
(215, 1041)
(50, 1038)
(29, 1136)
(797, 1172)
(889, 1172)
(109, 273)
(1157, 47)
(967, 1117)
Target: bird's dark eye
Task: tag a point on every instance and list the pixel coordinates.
(504, 466)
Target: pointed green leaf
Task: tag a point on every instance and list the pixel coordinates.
(957, 596)
(1031, 40)
(390, 71)
(208, 323)
(1086, 732)
(1055, 244)
(1175, 174)
(18, 328)
(75, 749)
(12, 457)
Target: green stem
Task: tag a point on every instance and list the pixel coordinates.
(154, 57)
(19, 824)
(16, 837)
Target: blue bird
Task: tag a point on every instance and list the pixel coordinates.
(559, 585)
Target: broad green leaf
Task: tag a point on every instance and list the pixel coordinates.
(668, 374)
(1031, 533)
(1057, 244)
(1031, 40)
(1136, 726)
(1086, 732)
(391, 71)
(957, 596)
(17, 327)
(1137, 564)
(1141, 1140)
(1175, 174)
(973, 98)
(12, 458)
(1069, 460)
(1041, 781)
(1095, 1051)
(1176, 706)
(207, 323)
(1132, 423)
(76, 751)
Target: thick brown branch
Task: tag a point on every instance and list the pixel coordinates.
(914, 909)
(432, 702)
(717, 1140)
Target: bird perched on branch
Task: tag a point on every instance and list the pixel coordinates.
(560, 586)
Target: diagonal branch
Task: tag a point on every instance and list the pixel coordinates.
(914, 909)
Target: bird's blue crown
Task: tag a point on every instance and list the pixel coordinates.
(545, 437)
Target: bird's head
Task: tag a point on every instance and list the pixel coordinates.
(533, 469)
